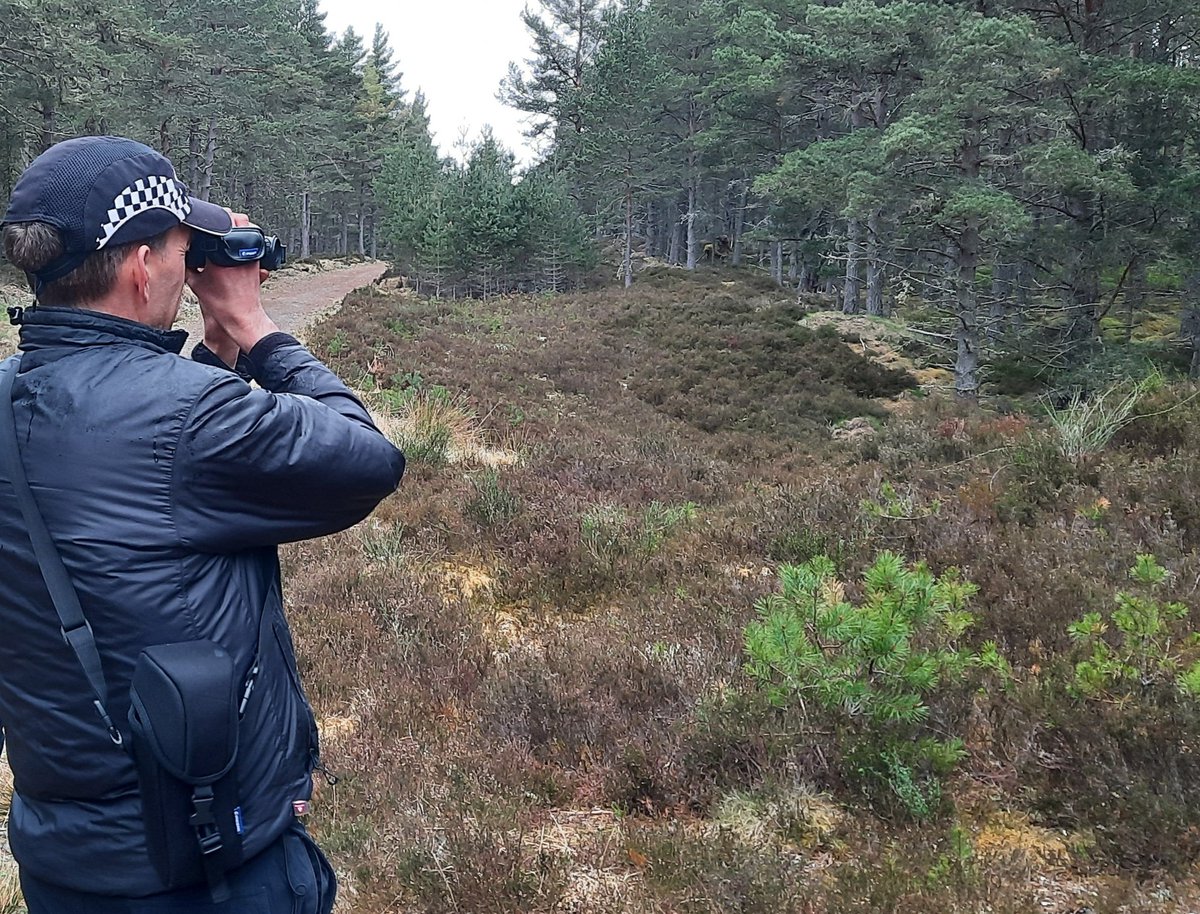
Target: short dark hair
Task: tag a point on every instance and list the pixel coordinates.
(29, 246)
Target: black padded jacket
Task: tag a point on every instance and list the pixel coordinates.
(167, 485)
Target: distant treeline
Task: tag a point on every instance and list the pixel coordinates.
(259, 107)
(993, 157)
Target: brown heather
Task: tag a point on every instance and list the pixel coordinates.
(519, 728)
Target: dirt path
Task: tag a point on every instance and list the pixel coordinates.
(295, 299)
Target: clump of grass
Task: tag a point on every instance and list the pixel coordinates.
(430, 425)
(611, 534)
(1084, 427)
(11, 901)
(799, 816)
(491, 503)
(382, 545)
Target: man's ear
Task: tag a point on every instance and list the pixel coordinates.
(139, 265)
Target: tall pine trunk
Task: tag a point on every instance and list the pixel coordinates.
(210, 155)
(875, 266)
(853, 255)
(652, 227)
(305, 225)
(739, 223)
(966, 335)
(675, 248)
(1003, 280)
(627, 263)
(692, 244)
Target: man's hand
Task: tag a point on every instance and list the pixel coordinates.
(231, 305)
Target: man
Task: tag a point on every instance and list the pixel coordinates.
(166, 484)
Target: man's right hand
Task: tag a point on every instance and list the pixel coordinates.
(230, 300)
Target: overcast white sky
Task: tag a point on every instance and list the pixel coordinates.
(457, 51)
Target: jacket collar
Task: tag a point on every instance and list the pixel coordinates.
(50, 327)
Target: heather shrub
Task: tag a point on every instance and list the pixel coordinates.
(477, 861)
(698, 873)
(872, 667)
(721, 361)
(586, 706)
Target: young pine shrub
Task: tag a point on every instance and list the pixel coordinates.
(1157, 649)
(1119, 757)
(873, 667)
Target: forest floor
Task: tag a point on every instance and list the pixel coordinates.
(530, 665)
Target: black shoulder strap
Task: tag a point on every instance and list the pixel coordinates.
(75, 628)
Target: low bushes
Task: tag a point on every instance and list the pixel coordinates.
(600, 670)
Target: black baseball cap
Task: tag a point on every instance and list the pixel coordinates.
(106, 190)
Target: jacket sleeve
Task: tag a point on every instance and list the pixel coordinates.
(297, 459)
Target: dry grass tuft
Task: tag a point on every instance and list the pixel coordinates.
(6, 786)
(1009, 834)
(11, 901)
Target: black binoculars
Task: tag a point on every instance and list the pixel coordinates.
(240, 245)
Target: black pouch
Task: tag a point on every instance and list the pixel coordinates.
(183, 717)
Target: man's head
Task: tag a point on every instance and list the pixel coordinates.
(98, 216)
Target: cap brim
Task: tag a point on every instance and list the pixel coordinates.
(208, 217)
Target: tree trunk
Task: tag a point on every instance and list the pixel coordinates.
(627, 264)
(777, 262)
(739, 224)
(362, 220)
(210, 154)
(853, 255)
(1003, 276)
(692, 246)
(966, 366)
(1135, 295)
(875, 266)
(805, 280)
(305, 225)
(793, 263)
(675, 249)
(193, 154)
(652, 228)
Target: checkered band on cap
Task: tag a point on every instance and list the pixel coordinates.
(152, 192)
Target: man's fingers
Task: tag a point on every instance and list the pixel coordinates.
(263, 276)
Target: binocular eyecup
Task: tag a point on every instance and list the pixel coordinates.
(238, 246)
